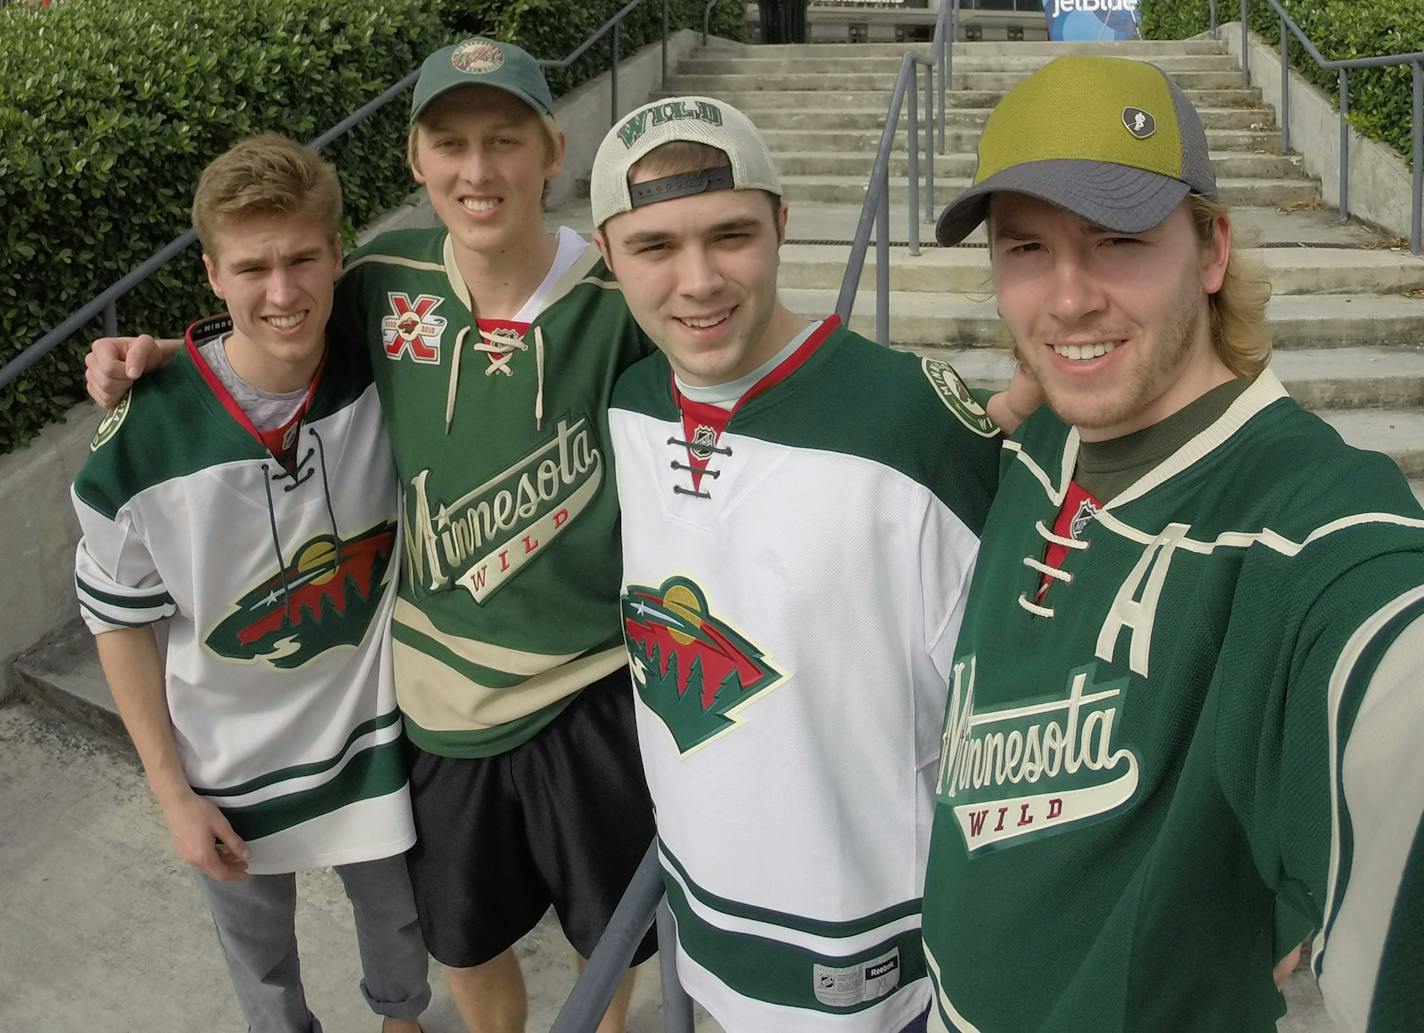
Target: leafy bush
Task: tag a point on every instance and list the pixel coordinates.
(1380, 98)
(109, 109)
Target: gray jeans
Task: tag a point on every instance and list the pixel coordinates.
(256, 926)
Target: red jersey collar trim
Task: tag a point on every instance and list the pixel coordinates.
(790, 365)
(204, 329)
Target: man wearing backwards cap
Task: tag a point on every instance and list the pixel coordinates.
(494, 347)
(801, 511)
(1184, 716)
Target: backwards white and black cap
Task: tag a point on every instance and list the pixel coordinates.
(695, 119)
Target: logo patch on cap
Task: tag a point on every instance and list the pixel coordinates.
(1139, 123)
(477, 56)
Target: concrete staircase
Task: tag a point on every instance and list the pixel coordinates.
(1348, 305)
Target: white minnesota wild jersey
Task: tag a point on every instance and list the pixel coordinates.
(795, 573)
(276, 585)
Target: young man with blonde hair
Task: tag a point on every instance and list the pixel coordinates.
(1184, 712)
(243, 501)
(494, 345)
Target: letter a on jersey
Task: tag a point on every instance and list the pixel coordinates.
(691, 669)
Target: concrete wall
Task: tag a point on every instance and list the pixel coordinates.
(40, 532)
(1381, 184)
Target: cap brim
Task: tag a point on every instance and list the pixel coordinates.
(1115, 197)
(515, 93)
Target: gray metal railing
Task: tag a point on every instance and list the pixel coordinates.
(875, 212)
(593, 991)
(106, 301)
(1415, 60)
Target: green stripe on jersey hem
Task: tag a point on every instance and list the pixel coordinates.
(114, 620)
(472, 744)
(128, 602)
(479, 674)
(315, 767)
(372, 773)
(781, 973)
(813, 926)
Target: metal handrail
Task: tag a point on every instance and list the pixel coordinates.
(876, 209)
(1416, 62)
(106, 301)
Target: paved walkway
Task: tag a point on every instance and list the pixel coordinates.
(102, 929)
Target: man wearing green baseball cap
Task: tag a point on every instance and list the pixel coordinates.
(1183, 723)
(494, 346)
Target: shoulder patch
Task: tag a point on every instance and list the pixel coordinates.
(956, 397)
(111, 423)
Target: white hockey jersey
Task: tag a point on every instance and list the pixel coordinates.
(795, 574)
(277, 585)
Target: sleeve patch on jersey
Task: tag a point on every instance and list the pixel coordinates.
(111, 423)
(956, 397)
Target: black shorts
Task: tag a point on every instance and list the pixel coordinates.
(563, 819)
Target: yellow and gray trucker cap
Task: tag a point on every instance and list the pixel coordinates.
(1111, 140)
(696, 119)
(483, 62)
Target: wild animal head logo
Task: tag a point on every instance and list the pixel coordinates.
(326, 597)
(691, 669)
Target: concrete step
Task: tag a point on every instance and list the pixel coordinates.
(786, 111)
(967, 140)
(1343, 379)
(970, 320)
(1140, 49)
(747, 92)
(851, 76)
(709, 63)
(965, 270)
(859, 161)
(62, 674)
(1399, 433)
(851, 190)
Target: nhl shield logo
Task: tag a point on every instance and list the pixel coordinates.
(1138, 122)
(692, 670)
(704, 441)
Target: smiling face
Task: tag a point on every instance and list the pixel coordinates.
(484, 157)
(276, 274)
(699, 275)
(1114, 326)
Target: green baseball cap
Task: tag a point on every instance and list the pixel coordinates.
(1111, 140)
(483, 62)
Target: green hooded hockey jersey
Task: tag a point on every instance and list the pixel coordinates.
(508, 600)
(1196, 748)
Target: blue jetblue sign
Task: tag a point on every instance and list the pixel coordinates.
(1091, 20)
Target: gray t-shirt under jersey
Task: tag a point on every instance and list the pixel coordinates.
(266, 409)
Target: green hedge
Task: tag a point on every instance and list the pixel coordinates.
(110, 108)
(1381, 102)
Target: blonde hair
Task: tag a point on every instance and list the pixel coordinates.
(678, 156)
(1238, 310)
(267, 174)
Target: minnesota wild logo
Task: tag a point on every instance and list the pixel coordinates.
(691, 669)
(110, 424)
(325, 598)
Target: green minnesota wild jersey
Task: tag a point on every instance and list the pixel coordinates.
(273, 583)
(1198, 747)
(508, 599)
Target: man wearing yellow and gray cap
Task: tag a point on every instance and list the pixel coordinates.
(1184, 713)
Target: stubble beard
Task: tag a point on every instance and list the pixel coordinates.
(1145, 382)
